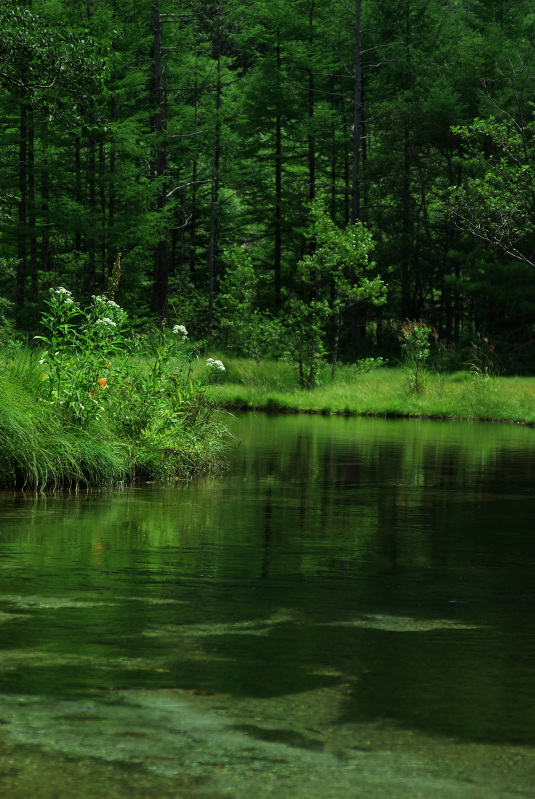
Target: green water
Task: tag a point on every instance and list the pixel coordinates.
(347, 612)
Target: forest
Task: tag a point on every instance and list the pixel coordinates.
(275, 175)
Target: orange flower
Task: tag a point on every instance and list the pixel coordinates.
(103, 383)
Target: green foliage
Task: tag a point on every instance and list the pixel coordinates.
(496, 202)
(366, 365)
(37, 450)
(80, 348)
(7, 332)
(243, 328)
(45, 61)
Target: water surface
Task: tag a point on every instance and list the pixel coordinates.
(347, 612)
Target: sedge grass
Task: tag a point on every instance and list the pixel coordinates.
(381, 392)
(39, 451)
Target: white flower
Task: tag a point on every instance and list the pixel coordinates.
(102, 298)
(180, 329)
(211, 364)
(61, 290)
(106, 321)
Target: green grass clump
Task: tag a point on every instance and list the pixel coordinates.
(36, 451)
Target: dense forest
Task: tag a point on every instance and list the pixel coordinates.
(275, 174)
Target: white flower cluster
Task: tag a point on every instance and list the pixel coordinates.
(65, 294)
(105, 300)
(211, 364)
(180, 330)
(107, 311)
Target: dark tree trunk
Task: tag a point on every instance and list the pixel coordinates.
(90, 238)
(311, 111)
(357, 116)
(22, 264)
(46, 263)
(112, 192)
(214, 199)
(159, 170)
(32, 209)
(278, 195)
(78, 188)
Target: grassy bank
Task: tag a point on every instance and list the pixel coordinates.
(273, 386)
(141, 429)
(96, 403)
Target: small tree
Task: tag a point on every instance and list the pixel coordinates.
(333, 277)
(415, 348)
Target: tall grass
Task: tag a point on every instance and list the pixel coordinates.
(99, 404)
(38, 450)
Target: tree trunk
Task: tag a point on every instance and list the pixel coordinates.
(357, 116)
(159, 169)
(311, 110)
(46, 263)
(214, 200)
(78, 188)
(22, 264)
(90, 237)
(358, 323)
(278, 194)
(32, 209)
(406, 210)
(102, 211)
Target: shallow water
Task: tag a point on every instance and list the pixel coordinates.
(347, 612)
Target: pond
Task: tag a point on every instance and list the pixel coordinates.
(348, 611)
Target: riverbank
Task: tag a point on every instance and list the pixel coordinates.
(272, 386)
(135, 421)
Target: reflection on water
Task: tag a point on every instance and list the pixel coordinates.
(348, 611)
